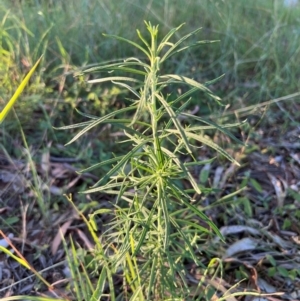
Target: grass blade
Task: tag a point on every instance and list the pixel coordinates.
(18, 92)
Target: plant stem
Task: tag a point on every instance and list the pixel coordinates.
(154, 120)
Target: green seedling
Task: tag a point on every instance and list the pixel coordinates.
(149, 217)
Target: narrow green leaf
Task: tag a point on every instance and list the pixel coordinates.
(185, 80)
(167, 54)
(180, 109)
(210, 143)
(137, 294)
(197, 163)
(97, 165)
(113, 78)
(191, 45)
(204, 218)
(20, 89)
(175, 122)
(162, 197)
(97, 122)
(121, 163)
(207, 141)
(104, 187)
(183, 168)
(152, 277)
(185, 95)
(16, 258)
(215, 80)
(11, 220)
(215, 125)
(75, 126)
(201, 128)
(130, 70)
(130, 42)
(143, 40)
(177, 192)
(129, 88)
(100, 286)
(256, 185)
(146, 226)
(164, 41)
(62, 50)
(203, 177)
(107, 65)
(186, 240)
(197, 227)
(247, 206)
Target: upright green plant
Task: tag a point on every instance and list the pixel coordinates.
(155, 224)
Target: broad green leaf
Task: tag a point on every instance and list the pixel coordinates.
(272, 260)
(283, 271)
(11, 220)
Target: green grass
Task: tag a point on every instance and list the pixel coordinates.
(259, 41)
(258, 51)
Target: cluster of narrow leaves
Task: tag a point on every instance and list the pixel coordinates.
(155, 225)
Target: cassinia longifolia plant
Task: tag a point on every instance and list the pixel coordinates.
(155, 223)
